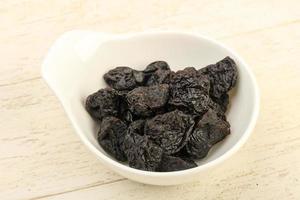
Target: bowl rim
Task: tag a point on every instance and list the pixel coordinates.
(109, 161)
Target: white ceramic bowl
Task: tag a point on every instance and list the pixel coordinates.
(76, 62)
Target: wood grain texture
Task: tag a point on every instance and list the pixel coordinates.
(42, 158)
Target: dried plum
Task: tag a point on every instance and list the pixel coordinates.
(145, 101)
(209, 130)
(121, 78)
(157, 65)
(197, 147)
(189, 90)
(141, 152)
(170, 130)
(102, 103)
(111, 137)
(157, 73)
(171, 163)
(222, 76)
(212, 128)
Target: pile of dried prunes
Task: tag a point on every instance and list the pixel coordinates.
(161, 120)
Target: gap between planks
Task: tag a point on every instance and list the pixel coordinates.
(76, 189)
(20, 82)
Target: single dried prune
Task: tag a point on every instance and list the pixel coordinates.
(212, 127)
(102, 103)
(157, 65)
(157, 73)
(144, 101)
(209, 130)
(189, 90)
(111, 137)
(223, 101)
(171, 163)
(121, 78)
(197, 147)
(222, 76)
(170, 130)
(141, 152)
(189, 78)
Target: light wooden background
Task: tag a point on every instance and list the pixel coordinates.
(42, 158)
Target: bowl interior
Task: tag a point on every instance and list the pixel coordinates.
(179, 50)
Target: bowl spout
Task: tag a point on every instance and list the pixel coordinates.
(63, 64)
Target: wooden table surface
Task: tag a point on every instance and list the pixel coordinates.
(42, 158)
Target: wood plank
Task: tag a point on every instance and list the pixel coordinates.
(39, 151)
(30, 27)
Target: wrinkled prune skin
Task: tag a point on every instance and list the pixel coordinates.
(122, 93)
(137, 127)
(157, 73)
(222, 76)
(141, 152)
(159, 77)
(209, 130)
(223, 101)
(122, 78)
(145, 101)
(217, 109)
(183, 154)
(102, 103)
(170, 130)
(128, 117)
(212, 128)
(124, 112)
(189, 90)
(111, 137)
(171, 163)
(157, 65)
(197, 147)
